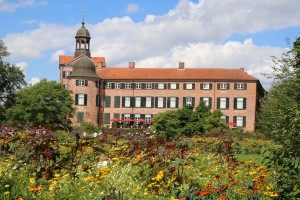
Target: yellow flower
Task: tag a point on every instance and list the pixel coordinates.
(1, 171)
(57, 175)
(273, 194)
(269, 187)
(159, 176)
(7, 186)
(173, 198)
(7, 192)
(252, 172)
(32, 180)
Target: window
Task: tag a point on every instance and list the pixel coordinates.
(225, 119)
(189, 101)
(106, 118)
(172, 102)
(117, 85)
(173, 86)
(81, 83)
(160, 86)
(138, 102)
(207, 101)
(240, 121)
(160, 102)
(223, 86)
(138, 86)
(81, 99)
(223, 103)
(148, 118)
(66, 86)
(189, 86)
(148, 102)
(80, 117)
(240, 103)
(127, 102)
(137, 117)
(66, 74)
(127, 85)
(148, 86)
(240, 86)
(107, 85)
(206, 86)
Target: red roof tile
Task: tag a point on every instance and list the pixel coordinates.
(174, 73)
(65, 59)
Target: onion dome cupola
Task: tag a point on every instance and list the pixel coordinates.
(83, 38)
(84, 68)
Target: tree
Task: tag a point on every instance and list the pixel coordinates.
(11, 80)
(215, 122)
(279, 119)
(46, 104)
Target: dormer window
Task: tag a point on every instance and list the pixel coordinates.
(107, 85)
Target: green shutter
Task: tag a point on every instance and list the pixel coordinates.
(244, 121)
(218, 86)
(245, 86)
(76, 99)
(193, 101)
(235, 103)
(201, 86)
(235, 86)
(210, 102)
(107, 101)
(177, 86)
(97, 100)
(117, 102)
(86, 82)
(210, 86)
(85, 99)
(184, 86)
(123, 102)
(184, 101)
(152, 102)
(168, 102)
(156, 102)
(143, 102)
(177, 102)
(132, 102)
(193, 86)
(106, 118)
(228, 86)
(218, 103)
(234, 119)
(227, 103)
(244, 103)
(117, 115)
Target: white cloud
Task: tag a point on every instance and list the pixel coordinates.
(34, 80)
(133, 8)
(12, 6)
(22, 65)
(191, 32)
(55, 56)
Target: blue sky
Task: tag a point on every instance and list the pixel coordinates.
(160, 33)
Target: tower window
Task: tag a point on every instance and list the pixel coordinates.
(81, 83)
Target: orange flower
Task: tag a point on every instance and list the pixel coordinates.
(232, 182)
(255, 189)
(36, 188)
(203, 192)
(224, 187)
(212, 190)
(218, 177)
(223, 196)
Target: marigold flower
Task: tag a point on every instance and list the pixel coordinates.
(232, 182)
(273, 194)
(203, 192)
(36, 188)
(6, 185)
(20, 198)
(224, 187)
(32, 180)
(212, 190)
(223, 196)
(7, 192)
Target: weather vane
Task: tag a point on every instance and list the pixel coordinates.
(83, 10)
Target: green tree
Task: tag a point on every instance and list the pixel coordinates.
(201, 113)
(11, 80)
(46, 103)
(279, 119)
(214, 122)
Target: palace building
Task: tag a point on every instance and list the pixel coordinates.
(104, 94)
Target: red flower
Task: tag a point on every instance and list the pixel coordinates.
(218, 177)
(212, 190)
(232, 182)
(203, 192)
(224, 187)
(48, 154)
(223, 196)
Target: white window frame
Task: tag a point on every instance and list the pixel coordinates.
(127, 116)
(240, 86)
(127, 85)
(189, 86)
(239, 103)
(148, 86)
(188, 101)
(137, 102)
(160, 102)
(138, 85)
(67, 73)
(172, 102)
(223, 103)
(137, 117)
(81, 82)
(80, 99)
(148, 118)
(239, 121)
(107, 85)
(206, 86)
(223, 86)
(206, 101)
(148, 102)
(117, 85)
(160, 86)
(127, 102)
(173, 86)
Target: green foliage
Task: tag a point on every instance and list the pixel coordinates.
(46, 103)
(280, 120)
(11, 80)
(188, 122)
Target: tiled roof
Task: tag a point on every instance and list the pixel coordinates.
(65, 59)
(174, 73)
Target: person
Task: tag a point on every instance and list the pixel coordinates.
(95, 134)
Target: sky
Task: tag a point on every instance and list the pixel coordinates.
(152, 33)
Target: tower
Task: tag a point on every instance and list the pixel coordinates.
(82, 41)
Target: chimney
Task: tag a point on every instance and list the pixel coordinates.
(181, 65)
(131, 65)
(242, 68)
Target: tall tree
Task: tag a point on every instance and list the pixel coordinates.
(46, 103)
(279, 119)
(11, 80)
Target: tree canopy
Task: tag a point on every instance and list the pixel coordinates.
(279, 119)
(45, 103)
(12, 79)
